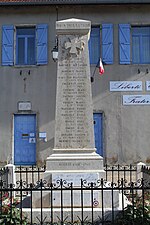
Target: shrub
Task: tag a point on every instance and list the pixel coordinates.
(136, 213)
(10, 214)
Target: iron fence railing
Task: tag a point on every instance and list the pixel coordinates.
(95, 203)
(116, 172)
(30, 174)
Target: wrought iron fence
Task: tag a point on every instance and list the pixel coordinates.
(30, 174)
(116, 172)
(95, 203)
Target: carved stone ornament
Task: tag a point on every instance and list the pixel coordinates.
(75, 45)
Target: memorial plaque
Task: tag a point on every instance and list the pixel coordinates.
(24, 106)
(75, 178)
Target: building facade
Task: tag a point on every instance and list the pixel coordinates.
(120, 36)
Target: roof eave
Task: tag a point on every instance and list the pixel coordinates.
(75, 2)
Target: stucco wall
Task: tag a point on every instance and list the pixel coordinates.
(126, 128)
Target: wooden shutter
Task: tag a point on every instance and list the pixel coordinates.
(42, 44)
(124, 43)
(7, 45)
(107, 43)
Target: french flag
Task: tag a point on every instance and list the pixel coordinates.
(101, 68)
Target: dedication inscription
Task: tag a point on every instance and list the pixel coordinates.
(74, 124)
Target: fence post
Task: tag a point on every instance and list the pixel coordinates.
(139, 173)
(11, 174)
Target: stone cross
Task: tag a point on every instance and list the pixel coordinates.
(75, 46)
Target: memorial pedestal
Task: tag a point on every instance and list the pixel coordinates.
(74, 166)
(74, 156)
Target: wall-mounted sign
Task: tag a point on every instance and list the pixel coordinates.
(136, 99)
(147, 85)
(24, 106)
(32, 134)
(42, 135)
(32, 140)
(125, 85)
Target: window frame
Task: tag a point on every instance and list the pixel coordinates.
(16, 45)
(126, 43)
(141, 43)
(105, 36)
(9, 44)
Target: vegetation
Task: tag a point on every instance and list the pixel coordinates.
(138, 213)
(10, 214)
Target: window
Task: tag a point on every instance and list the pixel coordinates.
(31, 45)
(94, 45)
(101, 44)
(25, 46)
(140, 37)
(141, 45)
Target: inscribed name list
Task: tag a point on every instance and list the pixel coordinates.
(73, 104)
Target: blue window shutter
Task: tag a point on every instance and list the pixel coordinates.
(107, 43)
(124, 43)
(94, 45)
(42, 44)
(7, 45)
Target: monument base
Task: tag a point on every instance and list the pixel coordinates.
(78, 160)
(72, 167)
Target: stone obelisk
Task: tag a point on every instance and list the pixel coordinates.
(74, 155)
